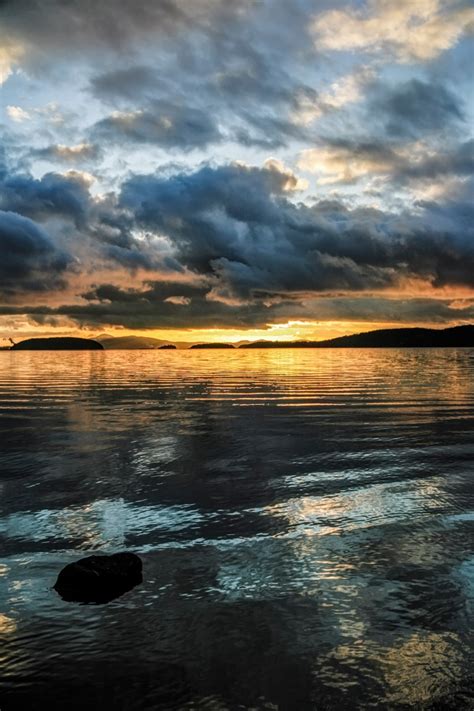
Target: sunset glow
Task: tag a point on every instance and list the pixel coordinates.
(235, 170)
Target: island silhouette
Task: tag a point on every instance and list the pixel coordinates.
(457, 336)
(211, 345)
(58, 344)
(454, 337)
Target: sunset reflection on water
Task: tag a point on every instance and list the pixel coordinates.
(304, 519)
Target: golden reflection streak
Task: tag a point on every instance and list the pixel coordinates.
(417, 670)
(7, 624)
(422, 668)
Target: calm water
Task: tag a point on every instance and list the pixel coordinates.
(304, 518)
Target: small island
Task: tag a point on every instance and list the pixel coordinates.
(168, 347)
(58, 344)
(210, 345)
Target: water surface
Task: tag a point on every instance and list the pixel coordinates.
(304, 519)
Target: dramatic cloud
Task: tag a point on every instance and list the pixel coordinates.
(30, 262)
(236, 223)
(54, 195)
(236, 163)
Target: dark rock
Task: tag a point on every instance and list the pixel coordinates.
(99, 578)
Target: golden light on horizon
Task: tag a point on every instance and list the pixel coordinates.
(293, 330)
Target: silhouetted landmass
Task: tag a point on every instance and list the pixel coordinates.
(130, 342)
(456, 337)
(168, 347)
(211, 345)
(58, 344)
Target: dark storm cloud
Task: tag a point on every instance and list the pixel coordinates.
(138, 310)
(151, 292)
(101, 228)
(416, 108)
(162, 124)
(150, 310)
(235, 229)
(30, 261)
(236, 223)
(54, 195)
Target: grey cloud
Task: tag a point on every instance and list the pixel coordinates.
(458, 160)
(399, 310)
(165, 125)
(54, 195)
(417, 107)
(235, 229)
(99, 225)
(150, 292)
(127, 83)
(386, 158)
(237, 223)
(30, 261)
(139, 309)
(242, 73)
(57, 26)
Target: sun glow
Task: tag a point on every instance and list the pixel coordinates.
(281, 332)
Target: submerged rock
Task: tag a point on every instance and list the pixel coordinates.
(99, 578)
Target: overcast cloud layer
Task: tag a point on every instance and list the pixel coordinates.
(235, 164)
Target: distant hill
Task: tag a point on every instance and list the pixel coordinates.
(131, 342)
(211, 345)
(57, 344)
(456, 337)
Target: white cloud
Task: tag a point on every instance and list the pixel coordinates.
(341, 165)
(17, 114)
(178, 300)
(9, 54)
(346, 90)
(414, 31)
(347, 164)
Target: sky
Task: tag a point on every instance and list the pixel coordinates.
(213, 170)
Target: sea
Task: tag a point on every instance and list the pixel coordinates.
(304, 518)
